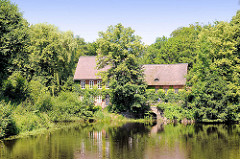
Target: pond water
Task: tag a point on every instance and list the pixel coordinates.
(129, 141)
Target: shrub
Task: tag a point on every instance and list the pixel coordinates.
(36, 89)
(171, 96)
(29, 121)
(152, 96)
(7, 124)
(66, 107)
(161, 94)
(44, 103)
(174, 111)
(16, 87)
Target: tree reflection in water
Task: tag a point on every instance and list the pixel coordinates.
(130, 140)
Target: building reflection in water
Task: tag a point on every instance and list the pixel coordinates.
(131, 140)
(99, 146)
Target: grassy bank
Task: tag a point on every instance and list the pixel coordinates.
(18, 122)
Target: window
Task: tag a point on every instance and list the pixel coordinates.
(91, 84)
(82, 84)
(176, 90)
(99, 99)
(107, 99)
(99, 84)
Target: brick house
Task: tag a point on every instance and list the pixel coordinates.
(166, 76)
(158, 76)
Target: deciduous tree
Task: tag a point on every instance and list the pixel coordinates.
(13, 39)
(119, 48)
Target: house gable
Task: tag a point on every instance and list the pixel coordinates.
(86, 69)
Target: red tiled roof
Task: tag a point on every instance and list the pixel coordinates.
(155, 74)
(86, 68)
(165, 74)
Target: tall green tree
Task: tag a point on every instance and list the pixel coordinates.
(52, 55)
(84, 49)
(180, 47)
(119, 48)
(214, 79)
(153, 51)
(13, 39)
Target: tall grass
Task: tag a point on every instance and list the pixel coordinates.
(29, 121)
(105, 116)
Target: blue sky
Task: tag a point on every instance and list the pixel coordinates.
(149, 18)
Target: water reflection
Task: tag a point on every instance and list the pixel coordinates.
(130, 140)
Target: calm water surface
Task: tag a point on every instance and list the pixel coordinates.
(129, 141)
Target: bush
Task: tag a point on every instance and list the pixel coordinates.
(214, 99)
(171, 96)
(161, 94)
(44, 103)
(7, 124)
(174, 111)
(66, 107)
(152, 96)
(89, 95)
(29, 121)
(36, 89)
(16, 87)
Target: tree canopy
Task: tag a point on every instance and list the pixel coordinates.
(180, 47)
(212, 54)
(52, 54)
(215, 77)
(41, 58)
(119, 48)
(13, 40)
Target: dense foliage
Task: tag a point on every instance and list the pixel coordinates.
(7, 124)
(213, 55)
(119, 48)
(13, 39)
(38, 62)
(36, 76)
(215, 77)
(179, 48)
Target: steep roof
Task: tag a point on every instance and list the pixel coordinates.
(86, 68)
(155, 74)
(165, 74)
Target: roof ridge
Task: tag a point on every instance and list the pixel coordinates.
(87, 56)
(167, 64)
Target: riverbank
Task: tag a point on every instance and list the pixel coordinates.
(22, 120)
(135, 140)
(36, 123)
(28, 116)
(175, 112)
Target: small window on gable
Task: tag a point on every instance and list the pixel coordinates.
(83, 84)
(156, 79)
